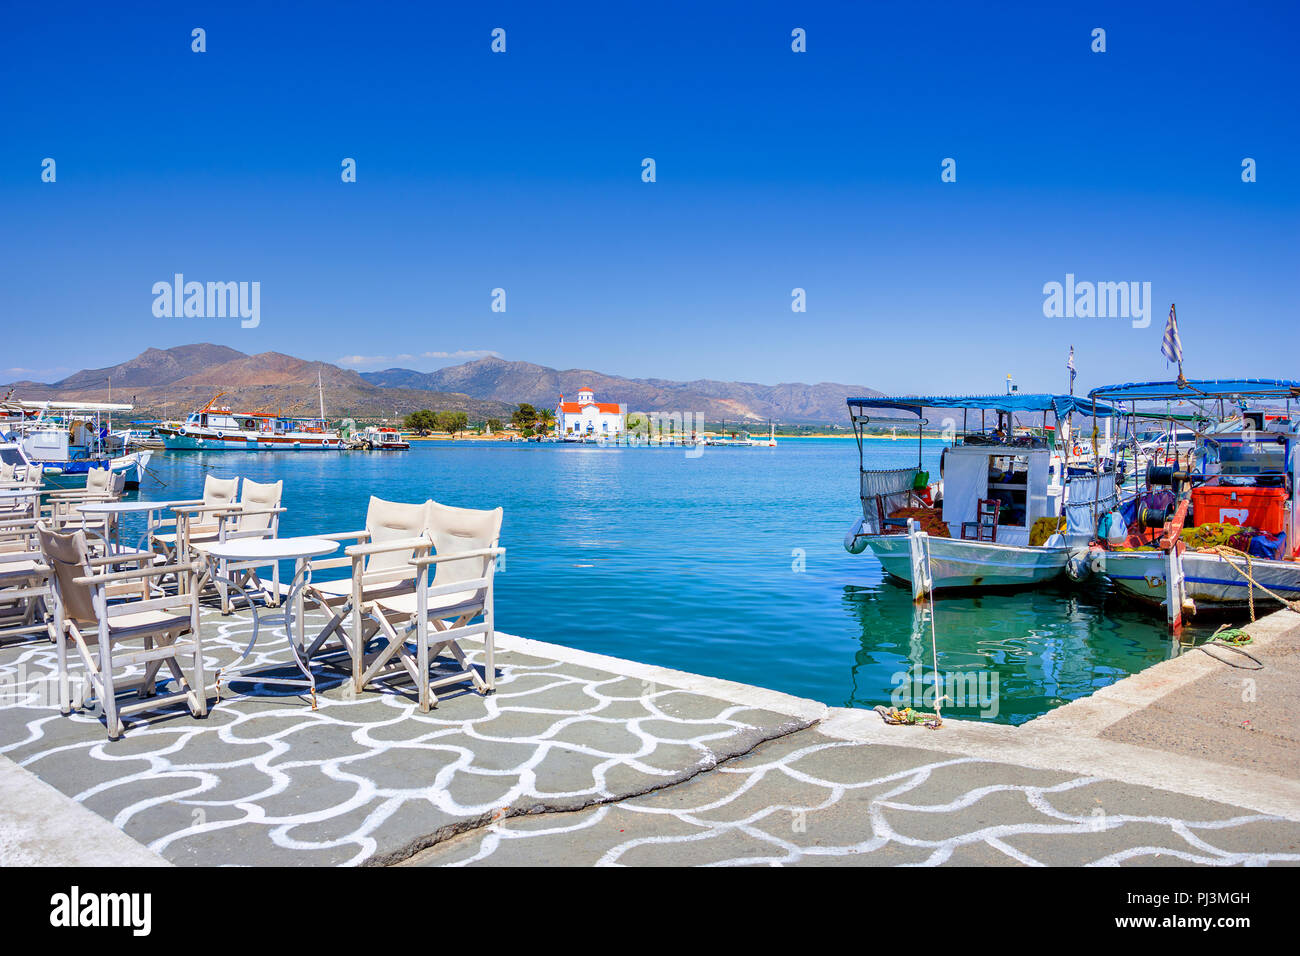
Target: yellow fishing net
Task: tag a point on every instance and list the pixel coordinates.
(1043, 529)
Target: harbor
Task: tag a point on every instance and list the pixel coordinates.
(768, 436)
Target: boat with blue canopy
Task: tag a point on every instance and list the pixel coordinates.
(1020, 491)
(1216, 532)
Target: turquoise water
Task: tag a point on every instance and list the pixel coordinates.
(729, 564)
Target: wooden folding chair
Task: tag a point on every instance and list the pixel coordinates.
(380, 561)
(255, 515)
(127, 628)
(421, 626)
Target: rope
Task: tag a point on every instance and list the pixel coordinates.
(1232, 639)
(1227, 554)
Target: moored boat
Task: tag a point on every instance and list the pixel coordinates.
(1009, 509)
(218, 428)
(65, 440)
(1216, 530)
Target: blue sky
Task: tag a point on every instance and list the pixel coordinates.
(775, 170)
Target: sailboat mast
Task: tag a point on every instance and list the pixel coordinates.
(320, 388)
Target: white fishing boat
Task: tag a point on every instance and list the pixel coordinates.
(1240, 481)
(383, 438)
(65, 440)
(1009, 509)
(219, 428)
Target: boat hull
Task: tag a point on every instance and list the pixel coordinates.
(1210, 580)
(175, 441)
(958, 564)
(128, 470)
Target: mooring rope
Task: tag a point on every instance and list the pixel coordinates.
(1247, 572)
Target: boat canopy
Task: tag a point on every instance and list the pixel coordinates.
(1198, 388)
(1060, 405)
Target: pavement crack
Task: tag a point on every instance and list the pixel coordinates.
(742, 745)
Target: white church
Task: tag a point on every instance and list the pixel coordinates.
(587, 416)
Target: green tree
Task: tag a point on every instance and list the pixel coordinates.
(494, 424)
(545, 420)
(523, 416)
(421, 422)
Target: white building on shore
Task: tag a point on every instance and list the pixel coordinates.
(587, 416)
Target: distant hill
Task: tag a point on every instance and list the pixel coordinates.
(493, 378)
(170, 383)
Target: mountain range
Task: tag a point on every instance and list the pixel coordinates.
(169, 383)
(506, 381)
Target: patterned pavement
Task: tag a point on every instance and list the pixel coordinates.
(811, 799)
(364, 779)
(571, 763)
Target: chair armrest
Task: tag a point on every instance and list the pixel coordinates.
(136, 574)
(255, 511)
(458, 556)
(345, 535)
(202, 508)
(397, 544)
(103, 559)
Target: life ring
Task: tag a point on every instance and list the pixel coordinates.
(220, 433)
(183, 431)
(1077, 451)
(854, 541)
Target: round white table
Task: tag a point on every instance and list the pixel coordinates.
(270, 550)
(114, 510)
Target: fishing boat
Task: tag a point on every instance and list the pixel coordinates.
(219, 428)
(65, 440)
(1217, 534)
(1010, 509)
(383, 438)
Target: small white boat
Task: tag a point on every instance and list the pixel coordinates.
(65, 440)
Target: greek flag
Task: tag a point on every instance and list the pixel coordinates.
(1171, 347)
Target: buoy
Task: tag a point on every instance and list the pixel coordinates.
(1079, 564)
(854, 541)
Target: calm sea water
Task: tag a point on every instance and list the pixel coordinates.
(729, 564)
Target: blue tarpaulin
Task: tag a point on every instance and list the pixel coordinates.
(1198, 388)
(1060, 405)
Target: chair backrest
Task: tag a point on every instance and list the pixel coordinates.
(99, 479)
(69, 558)
(462, 529)
(258, 495)
(7, 471)
(392, 521)
(987, 515)
(220, 491)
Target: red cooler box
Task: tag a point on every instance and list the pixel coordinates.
(1259, 508)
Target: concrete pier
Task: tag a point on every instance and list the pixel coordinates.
(581, 759)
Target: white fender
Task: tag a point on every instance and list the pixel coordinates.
(854, 542)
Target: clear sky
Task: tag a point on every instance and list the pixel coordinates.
(775, 170)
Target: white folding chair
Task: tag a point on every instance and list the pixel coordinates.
(421, 626)
(256, 515)
(380, 561)
(114, 612)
